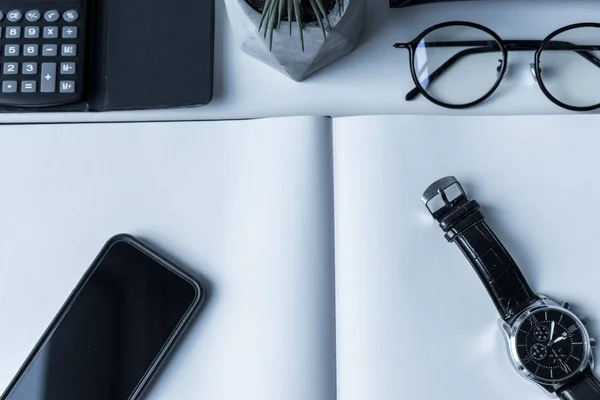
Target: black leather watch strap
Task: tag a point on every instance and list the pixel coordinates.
(585, 387)
(463, 223)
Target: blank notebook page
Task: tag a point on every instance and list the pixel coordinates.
(244, 206)
(413, 319)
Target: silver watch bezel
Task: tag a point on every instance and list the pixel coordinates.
(510, 334)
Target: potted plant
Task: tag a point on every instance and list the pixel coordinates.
(297, 37)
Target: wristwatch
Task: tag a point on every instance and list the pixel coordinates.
(547, 343)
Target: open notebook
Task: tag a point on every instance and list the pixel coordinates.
(328, 277)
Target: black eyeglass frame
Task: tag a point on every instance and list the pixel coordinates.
(504, 47)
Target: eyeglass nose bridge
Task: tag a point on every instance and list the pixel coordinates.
(499, 68)
(534, 70)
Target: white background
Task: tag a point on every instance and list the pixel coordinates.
(375, 77)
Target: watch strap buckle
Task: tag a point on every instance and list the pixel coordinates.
(442, 195)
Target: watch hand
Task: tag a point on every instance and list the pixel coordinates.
(551, 332)
(558, 339)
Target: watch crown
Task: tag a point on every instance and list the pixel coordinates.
(565, 304)
(592, 342)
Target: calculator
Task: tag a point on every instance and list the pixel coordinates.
(42, 45)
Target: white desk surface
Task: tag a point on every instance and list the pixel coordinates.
(371, 80)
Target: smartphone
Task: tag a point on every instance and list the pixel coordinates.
(114, 331)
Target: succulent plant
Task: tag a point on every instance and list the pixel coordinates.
(272, 16)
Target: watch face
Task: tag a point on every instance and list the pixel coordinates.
(550, 344)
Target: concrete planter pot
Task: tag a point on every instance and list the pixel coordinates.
(286, 55)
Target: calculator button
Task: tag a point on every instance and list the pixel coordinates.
(68, 50)
(51, 16)
(67, 68)
(49, 50)
(10, 68)
(28, 86)
(70, 16)
(29, 68)
(32, 32)
(11, 50)
(67, 86)
(9, 87)
(33, 16)
(48, 79)
(13, 32)
(14, 16)
(1, 15)
(69, 32)
(50, 32)
(30, 50)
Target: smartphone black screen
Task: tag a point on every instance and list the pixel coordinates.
(106, 339)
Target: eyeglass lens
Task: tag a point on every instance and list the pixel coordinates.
(570, 66)
(458, 64)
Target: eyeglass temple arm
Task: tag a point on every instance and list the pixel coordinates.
(514, 45)
(442, 68)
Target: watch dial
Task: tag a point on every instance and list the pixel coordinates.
(550, 344)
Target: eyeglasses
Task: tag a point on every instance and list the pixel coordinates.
(460, 64)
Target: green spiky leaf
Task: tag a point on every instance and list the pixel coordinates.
(298, 15)
(279, 14)
(312, 3)
(272, 23)
(289, 8)
(264, 14)
(318, 4)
